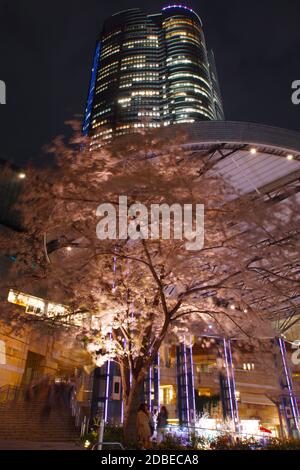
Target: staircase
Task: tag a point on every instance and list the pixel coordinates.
(24, 421)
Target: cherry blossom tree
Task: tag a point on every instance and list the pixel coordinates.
(131, 293)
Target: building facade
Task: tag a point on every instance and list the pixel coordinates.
(151, 71)
(211, 382)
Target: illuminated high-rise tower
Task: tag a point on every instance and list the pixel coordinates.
(151, 71)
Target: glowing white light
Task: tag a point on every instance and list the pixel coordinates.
(250, 427)
(253, 151)
(22, 176)
(69, 248)
(232, 307)
(245, 310)
(290, 157)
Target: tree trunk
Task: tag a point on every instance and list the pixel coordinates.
(131, 405)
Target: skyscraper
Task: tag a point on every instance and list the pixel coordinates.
(150, 71)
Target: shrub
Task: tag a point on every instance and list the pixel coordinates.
(282, 444)
(170, 442)
(195, 442)
(111, 434)
(227, 442)
(198, 442)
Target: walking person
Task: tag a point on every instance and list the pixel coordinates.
(143, 424)
(48, 401)
(162, 422)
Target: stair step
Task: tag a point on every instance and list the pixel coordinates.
(23, 421)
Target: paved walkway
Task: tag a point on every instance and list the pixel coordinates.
(27, 445)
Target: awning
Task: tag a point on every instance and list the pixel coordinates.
(256, 399)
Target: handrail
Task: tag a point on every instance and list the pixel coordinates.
(9, 392)
(81, 418)
(107, 444)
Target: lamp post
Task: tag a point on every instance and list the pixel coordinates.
(101, 425)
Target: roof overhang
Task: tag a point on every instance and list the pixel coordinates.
(252, 157)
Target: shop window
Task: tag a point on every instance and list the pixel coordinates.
(204, 392)
(167, 395)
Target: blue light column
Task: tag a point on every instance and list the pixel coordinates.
(289, 404)
(185, 384)
(227, 386)
(99, 394)
(107, 391)
(151, 386)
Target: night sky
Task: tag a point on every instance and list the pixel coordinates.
(46, 50)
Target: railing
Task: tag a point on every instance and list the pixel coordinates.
(100, 444)
(10, 393)
(80, 411)
(187, 430)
